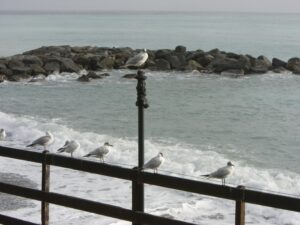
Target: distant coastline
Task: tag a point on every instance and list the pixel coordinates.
(49, 59)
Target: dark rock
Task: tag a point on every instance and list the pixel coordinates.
(180, 49)
(261, 65)
(32, 59)
(84, 78)
(19, 77)
(214, 52)
(221, 64)
(4, 61)
(89, 61)
(265, 61)
(175, 62)
(37, 69)
(276, 63)
(63, 51)
(205, 60)
(21, 70)
(107, 63)
(2, 66)
(162, 64)
(194, 55)
(93, 75)
(14, 63)
(105, 74)
(67, 65)
(294, 65)
(162, 53)
(51, 67)
(130, 76)
(6, 72)
(280, 70)
(193, 65)
(232, 55)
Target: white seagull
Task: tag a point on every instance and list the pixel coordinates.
(137, 60)
(43, 141)
(222, 173)
(70, 147)
(155, 162)
(2, 134)
(100, 152)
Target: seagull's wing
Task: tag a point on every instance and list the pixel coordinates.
(152, 163)
(41, 140)
(72, 146)
(221, 173)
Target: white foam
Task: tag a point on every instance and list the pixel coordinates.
(182, 160)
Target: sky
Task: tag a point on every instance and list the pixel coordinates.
(284, 6)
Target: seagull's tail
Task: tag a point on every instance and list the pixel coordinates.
(87, 155)
(206, 175)
(30, 145)
(61, 150)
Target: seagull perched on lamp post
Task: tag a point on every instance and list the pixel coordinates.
(222, 172)
(70, 147)
(137, 60)
(100, 152)
(43, 141)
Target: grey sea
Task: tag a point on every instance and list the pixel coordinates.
(199, 121)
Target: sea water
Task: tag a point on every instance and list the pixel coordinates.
(198, 121)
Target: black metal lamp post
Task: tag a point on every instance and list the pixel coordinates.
(141, 103)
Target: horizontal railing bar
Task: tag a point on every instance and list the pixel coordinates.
(7, 220)
(272, 200)
(88, 206)
(226, 192)
(90, 166)
(198, 187)
(21, 154)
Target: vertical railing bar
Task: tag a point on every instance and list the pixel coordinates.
(240, 207)
(45, 188)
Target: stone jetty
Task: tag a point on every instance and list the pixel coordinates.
(49, 59)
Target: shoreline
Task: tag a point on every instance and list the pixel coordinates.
(49, 59)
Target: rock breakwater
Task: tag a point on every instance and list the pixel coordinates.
(50, 59)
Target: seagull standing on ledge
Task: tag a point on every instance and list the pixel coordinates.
(100, 152)
(43, 141)
(222, 173)
(155, 162)
(70, 147)
(2, 134)
(137, 60)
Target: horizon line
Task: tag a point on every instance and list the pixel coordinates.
(25, 11)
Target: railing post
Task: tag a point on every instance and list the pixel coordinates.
(240, 208)
(141, 103)
(45, 188)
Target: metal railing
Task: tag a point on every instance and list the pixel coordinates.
(137, 216)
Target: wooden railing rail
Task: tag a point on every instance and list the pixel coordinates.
(239, 194)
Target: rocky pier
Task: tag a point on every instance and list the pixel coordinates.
(50, 59)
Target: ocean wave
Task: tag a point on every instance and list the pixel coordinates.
(182, 159)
